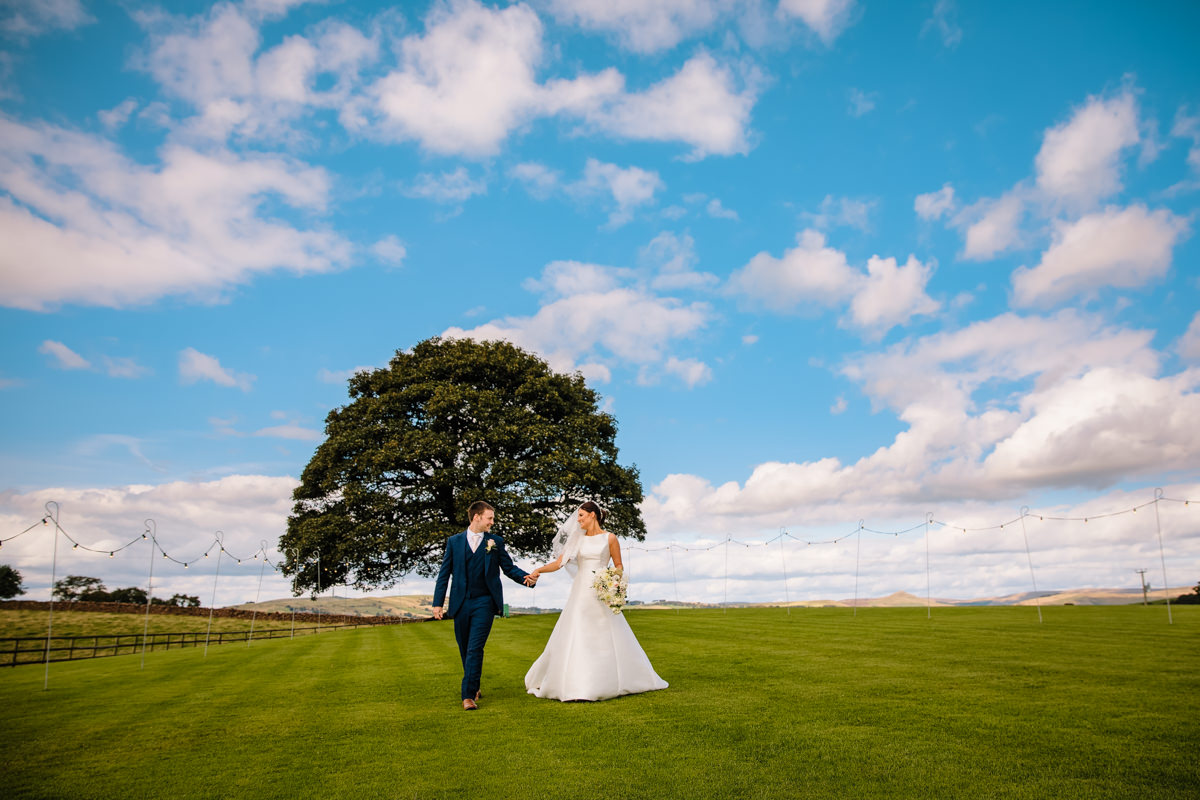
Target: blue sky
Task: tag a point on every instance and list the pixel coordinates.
(825, 260)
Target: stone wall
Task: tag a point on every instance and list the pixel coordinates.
(180, 611)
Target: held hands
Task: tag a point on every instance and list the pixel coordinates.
(531, 579)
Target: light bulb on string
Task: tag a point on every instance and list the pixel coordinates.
(110, 555)
(185, 566)
(76, 547)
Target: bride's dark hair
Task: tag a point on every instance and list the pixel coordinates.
(595, 508)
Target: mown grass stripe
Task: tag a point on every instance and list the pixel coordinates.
(1097, 702)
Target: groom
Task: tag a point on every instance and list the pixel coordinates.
(474, 558)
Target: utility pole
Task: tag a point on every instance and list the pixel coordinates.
(1145, 586)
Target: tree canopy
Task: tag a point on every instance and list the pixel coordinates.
(448, 423)
(10, 582)
(74, 587)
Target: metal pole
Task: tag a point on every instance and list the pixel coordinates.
(51, 514)
(216, 576)
(674, 577)
(928, 594)
(1145, 586)
(787, 599)
(258, 594)
(1158, 493)
(318, 591)
(1032, 577)
(152, 530)
(857, 552)
(726, 603)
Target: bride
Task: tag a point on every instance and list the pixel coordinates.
(592, 653)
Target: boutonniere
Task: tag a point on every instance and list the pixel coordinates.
(491, 545)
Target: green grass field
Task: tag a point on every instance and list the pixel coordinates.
(98, 623)
(1098, 702)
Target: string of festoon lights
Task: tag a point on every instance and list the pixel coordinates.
(930, 521)
(156, 550)
(217, 545)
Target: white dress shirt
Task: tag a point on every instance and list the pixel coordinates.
(474, 539)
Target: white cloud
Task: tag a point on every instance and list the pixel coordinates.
(673, 258)
(815, 275)
(935, 205)
(1106, 423)
(1079, 162)
(1187, 126)
(213, 62)
(118, 115)
(28, 18)
(196, 366)
(390, 249)
(640, 26)
(99, 443)
(944, 21)
(992, 226)
(809, 274)
(841, 211)
(470, 80)
(1189, 344)
(86, 225)
(291, 431)
(246, 508)
(701, 105)
(65, 357)
(124, 368)
(691, 371)
(718, 211)
(1121, 248)
(630, 187)
(592, 320)
(340, 376)
(993, 411)
(539, 180)
(827, 18)
(838, 407)
(462, 87)
(862, 103)
(449, 187)
(891, 295)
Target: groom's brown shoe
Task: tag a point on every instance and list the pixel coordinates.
(469, 705)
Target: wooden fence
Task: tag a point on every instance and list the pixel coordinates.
(39, 649)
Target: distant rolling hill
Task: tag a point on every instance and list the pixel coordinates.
(419, 605)
(406, 605)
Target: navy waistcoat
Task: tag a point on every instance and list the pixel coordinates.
(476, 571)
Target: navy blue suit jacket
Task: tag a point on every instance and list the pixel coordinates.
(454, 565)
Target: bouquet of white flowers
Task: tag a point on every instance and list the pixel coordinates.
(611, 587)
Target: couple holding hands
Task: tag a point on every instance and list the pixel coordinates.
(592, 653)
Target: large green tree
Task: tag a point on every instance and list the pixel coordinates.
(73, 587)
(10, 582)
(447, 423)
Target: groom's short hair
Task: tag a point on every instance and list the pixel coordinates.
(477, 508)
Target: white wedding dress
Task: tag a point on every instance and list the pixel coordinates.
(592, 653)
